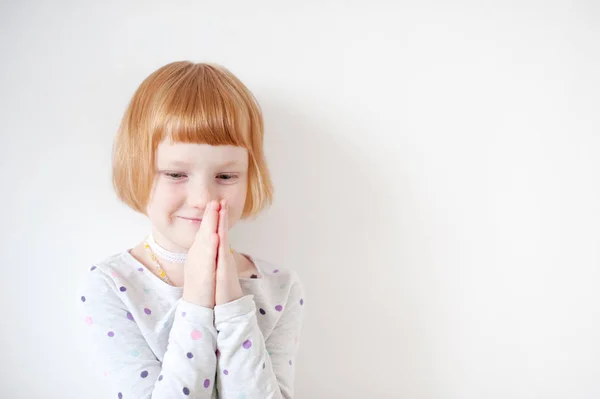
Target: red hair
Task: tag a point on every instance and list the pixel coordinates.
(189, 103)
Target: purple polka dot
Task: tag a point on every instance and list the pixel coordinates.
(93, 268)
(82, 299)
(189, 355)
(111, 334)
(120, 395)
(262, 311)
(160, 377)
(130, 316)
(247, 344)
(276, 271)
(144, 374)
(206, 383)
(141, 269)
(225, 372)
(147, 311)
(186, 391)
(123, 289)
(183, 314)
(301, 301)
(279, 308)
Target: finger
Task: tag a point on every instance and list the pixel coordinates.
(213, 247)
(223, 219)
(210, 220)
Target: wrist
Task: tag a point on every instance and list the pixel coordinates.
(199, 295)
(228, 291)
(203, 301)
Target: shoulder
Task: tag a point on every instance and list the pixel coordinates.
(100, 276)
(283, 291)
(280, 277)
(116, 263)
(276, 271)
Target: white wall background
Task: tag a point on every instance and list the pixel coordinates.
(436, 169)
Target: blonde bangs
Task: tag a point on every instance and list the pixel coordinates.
(189, 103)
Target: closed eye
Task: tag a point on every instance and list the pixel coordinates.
(227, 177)
(175, 176)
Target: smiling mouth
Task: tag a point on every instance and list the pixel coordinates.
(191, 220)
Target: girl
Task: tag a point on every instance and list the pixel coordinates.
(182, 314)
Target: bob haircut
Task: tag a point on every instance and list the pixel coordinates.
(189, 102)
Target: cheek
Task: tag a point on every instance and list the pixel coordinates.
(236, 202)
(165, 198)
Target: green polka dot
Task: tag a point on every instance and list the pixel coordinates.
(134, 353)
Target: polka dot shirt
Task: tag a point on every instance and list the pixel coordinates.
(150, 343)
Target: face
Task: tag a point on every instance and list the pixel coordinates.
(187, 178)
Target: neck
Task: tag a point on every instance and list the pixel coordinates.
(164, 254)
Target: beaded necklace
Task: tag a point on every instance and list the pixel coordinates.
(159, 270)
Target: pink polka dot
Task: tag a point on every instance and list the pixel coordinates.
(196, 335)
(88, 320)
(295, 340)
(115, 274)
(279, 308)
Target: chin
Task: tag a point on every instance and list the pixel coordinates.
(185, 241)
(177, 237)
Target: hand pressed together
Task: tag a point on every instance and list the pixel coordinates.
(210, 272)
(227, 283)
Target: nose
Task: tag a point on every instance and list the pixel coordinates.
(200, 195)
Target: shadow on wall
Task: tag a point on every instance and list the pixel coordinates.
(336, 224)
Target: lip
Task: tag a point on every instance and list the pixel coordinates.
(191, 220)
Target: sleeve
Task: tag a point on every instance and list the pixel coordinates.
(189, 363)
(249, 365)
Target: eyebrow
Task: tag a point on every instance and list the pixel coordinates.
(230, 163)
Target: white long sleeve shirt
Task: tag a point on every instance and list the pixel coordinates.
(150, 343)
